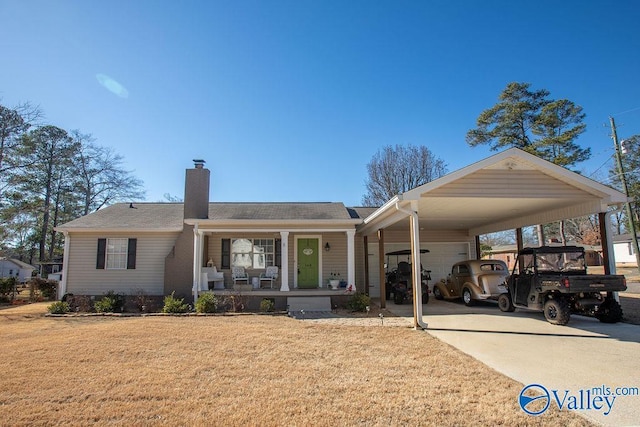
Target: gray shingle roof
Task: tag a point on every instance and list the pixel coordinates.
(151, 216)
(131, 216)
(278, 211)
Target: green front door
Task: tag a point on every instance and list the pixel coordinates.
(308, 263)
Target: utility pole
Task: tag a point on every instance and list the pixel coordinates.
(630, 219)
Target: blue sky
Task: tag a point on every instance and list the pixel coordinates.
(289, 100)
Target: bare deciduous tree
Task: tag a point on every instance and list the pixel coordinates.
(394, 170)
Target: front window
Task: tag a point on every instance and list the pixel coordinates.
(252, 253)
(117, 254)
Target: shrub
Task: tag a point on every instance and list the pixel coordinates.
(59, 307)
(141, 299)
(110, 303)
(232, 303)
(267, 305)
(49, 289)
(42, 288)
(207, 303)
(359, 302)
(174, 305)
(7, 287)
(80, 303)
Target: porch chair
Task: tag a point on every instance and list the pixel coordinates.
(239, 275)
(215, 276)
(270, 275)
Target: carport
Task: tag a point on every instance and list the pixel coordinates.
(510, 190)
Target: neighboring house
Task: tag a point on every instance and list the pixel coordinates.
(159, 248)
(10, 267)
(624, 250)
(51, 269)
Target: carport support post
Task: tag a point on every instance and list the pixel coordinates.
(519, 241)
(416, 278)
(383, 284)
(605, 242)
(604, 220)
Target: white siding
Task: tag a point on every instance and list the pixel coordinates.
(84, 279)
(624, 253)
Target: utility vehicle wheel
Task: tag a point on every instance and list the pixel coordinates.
(556, 311)
(467, 297)
(505, 304)
(609, 311)
(437, 293)
(425, 296)
(398, 297)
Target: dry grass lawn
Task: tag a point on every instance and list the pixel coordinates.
(242, 370)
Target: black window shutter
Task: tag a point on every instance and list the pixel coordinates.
(278, 252)
(131, 254)
(102, 253)
(226, 254)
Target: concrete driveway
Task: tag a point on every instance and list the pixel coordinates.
(572, 359)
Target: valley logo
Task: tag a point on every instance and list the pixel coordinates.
(535, 399)
(538, 395)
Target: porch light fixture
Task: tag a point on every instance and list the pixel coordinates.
(327, 247)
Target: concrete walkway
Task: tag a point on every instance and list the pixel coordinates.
(583, 355)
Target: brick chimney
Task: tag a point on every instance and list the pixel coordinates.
(196, 191)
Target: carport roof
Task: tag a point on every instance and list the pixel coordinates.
(505, 191)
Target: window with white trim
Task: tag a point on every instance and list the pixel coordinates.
(252, 253)
(117, 254)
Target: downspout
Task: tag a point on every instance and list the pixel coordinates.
(65, 265)
(418, 322)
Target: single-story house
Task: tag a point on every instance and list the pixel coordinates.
(10, 267)
(162, 247)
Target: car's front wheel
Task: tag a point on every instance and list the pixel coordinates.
(437, 293)
(467, 297)
(557, 311)
(505, 303)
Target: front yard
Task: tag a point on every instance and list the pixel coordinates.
(242, 370)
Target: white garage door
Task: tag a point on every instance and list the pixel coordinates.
(439, 259)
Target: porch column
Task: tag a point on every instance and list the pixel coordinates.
(351, 259)
(366, 265)
(197, 256)
(62, 289)
(284, 260)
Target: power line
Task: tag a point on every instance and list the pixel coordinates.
(601, 166)
(628, 111)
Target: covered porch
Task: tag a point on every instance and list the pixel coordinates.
(305, 258)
